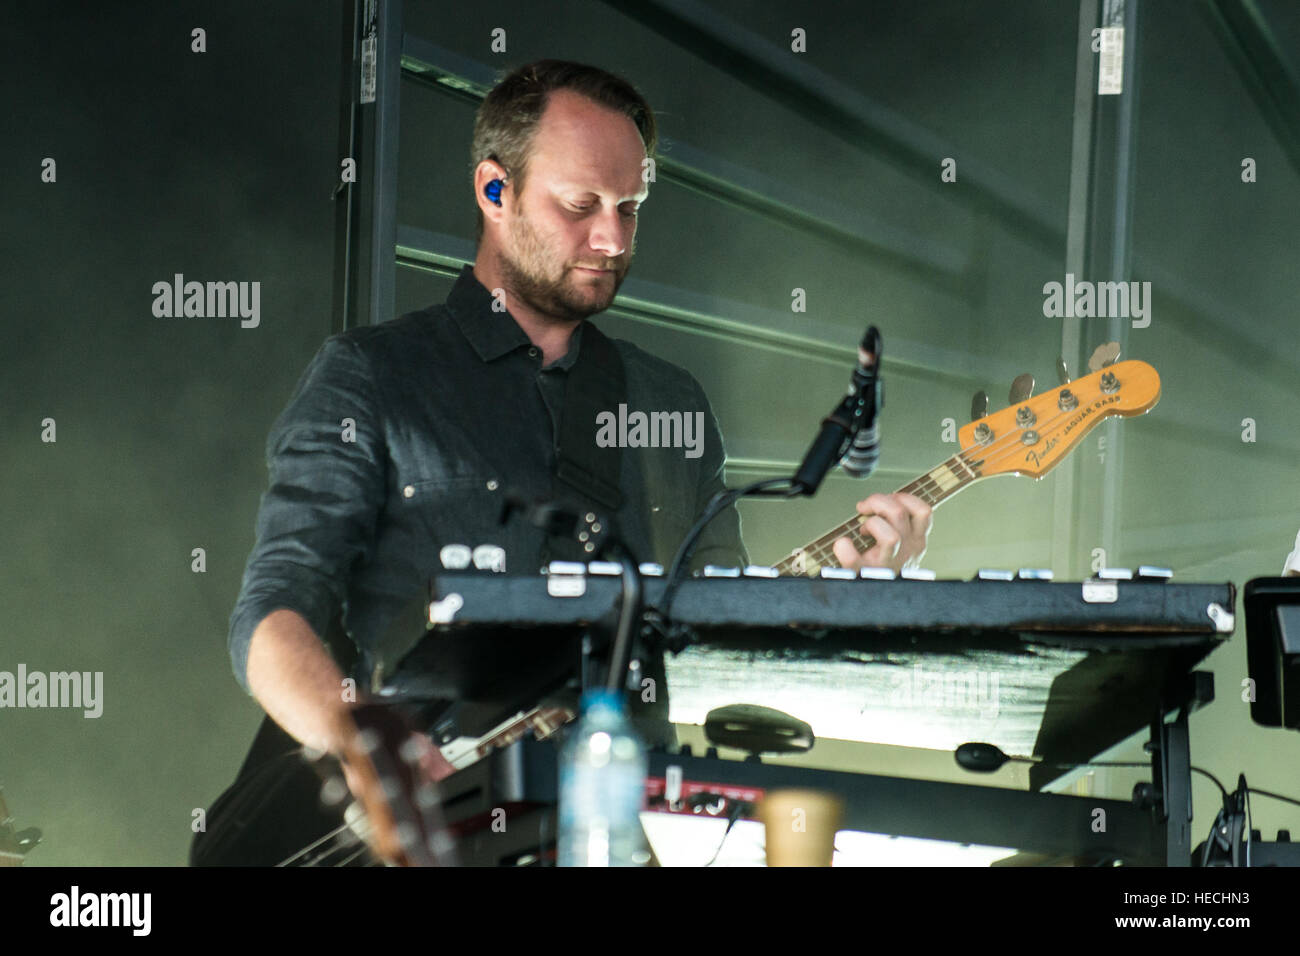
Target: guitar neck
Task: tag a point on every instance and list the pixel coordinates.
(1028, 438)
(541, 722)
(934, 487)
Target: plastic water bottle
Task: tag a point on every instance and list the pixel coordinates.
(602, 786)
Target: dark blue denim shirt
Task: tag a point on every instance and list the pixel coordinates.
(403, 437)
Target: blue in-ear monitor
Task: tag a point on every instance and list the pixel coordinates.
(493, 191)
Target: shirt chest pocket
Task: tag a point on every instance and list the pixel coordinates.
(460, 517)
(670, 518)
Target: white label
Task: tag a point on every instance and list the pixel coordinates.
(673, 784)
(1100, 592)
(1110, 68)
(566, 585)
(368, 69)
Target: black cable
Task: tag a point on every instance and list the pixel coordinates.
(1141, 766)
(1250, 823)
(1220, 820)
(1223, 790)
(737, 808)
(1205, 850)
(629, 612)
(1275, 796)
(715, 507)
(1209, 843)
(835, 440)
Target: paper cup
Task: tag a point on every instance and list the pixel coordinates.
(801, 826)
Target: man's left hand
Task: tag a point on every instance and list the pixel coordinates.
(900, 524)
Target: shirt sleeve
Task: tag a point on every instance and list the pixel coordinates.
(721, 542)
(327, 463)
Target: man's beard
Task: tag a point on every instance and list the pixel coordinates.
(567, 297)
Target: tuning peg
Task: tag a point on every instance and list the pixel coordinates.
(1062, 373)
(979, 405)
(334, 791)
(1102, 356)
(1021, 388)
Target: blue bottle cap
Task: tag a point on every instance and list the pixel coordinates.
(602, 699)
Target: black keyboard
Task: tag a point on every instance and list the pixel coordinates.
(1135, 609)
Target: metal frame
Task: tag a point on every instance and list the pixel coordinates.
(1098, 247)
(869, 125)
(654, 303)
(365, 290)
(345, 196)
(842, 111)
(526, 773)
(1171, 764)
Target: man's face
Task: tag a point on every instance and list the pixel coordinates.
(569, 243)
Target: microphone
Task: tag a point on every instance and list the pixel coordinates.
(864, 453)
(840, 429)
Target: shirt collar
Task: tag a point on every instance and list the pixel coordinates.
(492, 333)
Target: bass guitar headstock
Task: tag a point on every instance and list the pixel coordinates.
(392, 768)
(1033, 434)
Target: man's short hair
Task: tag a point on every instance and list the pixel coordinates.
(507, 119)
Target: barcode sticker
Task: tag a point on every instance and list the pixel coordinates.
(368, 69)
(1110, 68)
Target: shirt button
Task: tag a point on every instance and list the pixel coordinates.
(408, 491)
(533, 352)
(492, 485)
